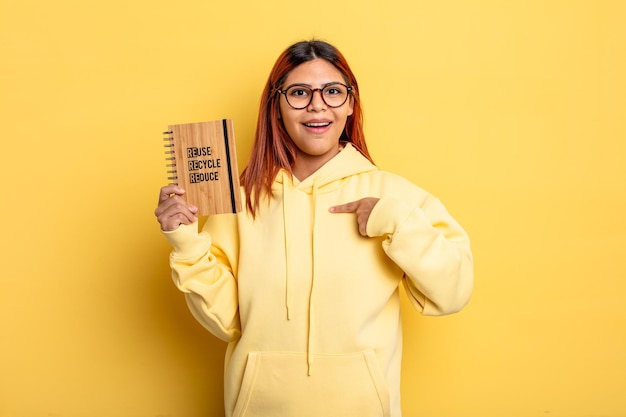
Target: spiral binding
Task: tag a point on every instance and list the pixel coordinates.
(169, 152)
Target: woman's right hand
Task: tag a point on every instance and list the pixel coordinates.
(173, 210)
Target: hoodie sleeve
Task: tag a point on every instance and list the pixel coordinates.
(431, 248)
(203, 272)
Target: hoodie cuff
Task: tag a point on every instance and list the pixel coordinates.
(386, 216)
(186, 241)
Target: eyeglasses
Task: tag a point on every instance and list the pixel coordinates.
(299, 96)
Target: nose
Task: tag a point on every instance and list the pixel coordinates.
(317, 102)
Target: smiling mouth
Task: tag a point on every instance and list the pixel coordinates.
(324, 124)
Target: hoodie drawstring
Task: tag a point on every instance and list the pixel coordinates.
(287, 246)
(286, 189)
(311, 293)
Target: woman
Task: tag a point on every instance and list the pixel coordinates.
(304, 283)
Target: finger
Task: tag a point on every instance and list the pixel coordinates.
(174, 204)
(345, 208)
(171, 219)
(174, 222)
(363, 229)
(169, 191)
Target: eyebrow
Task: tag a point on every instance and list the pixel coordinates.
(310, 86)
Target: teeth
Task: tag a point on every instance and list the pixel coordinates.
(317, 124)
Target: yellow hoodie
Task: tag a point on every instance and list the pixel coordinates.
(309, 307)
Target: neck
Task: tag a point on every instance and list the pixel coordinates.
(305, 165)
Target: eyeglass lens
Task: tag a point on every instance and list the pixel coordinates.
(299, 97)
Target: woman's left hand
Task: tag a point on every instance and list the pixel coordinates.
(363, 208)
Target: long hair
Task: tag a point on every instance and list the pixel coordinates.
(273, 149)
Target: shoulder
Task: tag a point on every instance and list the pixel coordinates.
(386, 183)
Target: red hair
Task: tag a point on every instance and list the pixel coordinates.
(273, 149)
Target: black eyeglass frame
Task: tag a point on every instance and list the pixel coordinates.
(313, 90)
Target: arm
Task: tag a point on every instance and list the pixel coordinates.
(200, 269)
(203, 272)
(431, 248)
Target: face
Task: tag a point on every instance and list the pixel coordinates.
(316, 129)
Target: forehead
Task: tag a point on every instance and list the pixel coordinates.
(315, 72)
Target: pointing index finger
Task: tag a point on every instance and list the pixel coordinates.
(344, 208)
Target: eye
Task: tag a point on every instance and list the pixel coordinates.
(298, 92)
(334, 90)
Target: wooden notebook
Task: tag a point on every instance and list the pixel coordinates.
(202, 160)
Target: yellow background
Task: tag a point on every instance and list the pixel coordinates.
(512, 112)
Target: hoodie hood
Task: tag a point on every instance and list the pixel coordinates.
(346, 163)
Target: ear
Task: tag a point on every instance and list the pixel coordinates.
(350, 106)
